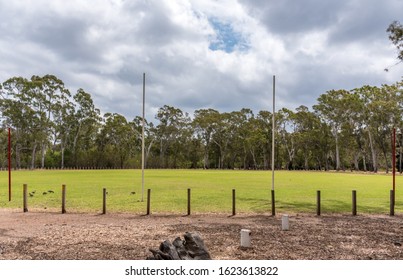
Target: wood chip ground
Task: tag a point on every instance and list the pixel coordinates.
(77, 236)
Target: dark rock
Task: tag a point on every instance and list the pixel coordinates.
(195, 246)
(181, 250)
(192, 248)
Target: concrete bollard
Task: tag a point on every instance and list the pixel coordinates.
(285, 224)
(245, 238)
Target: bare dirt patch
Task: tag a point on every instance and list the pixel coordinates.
(36, 235)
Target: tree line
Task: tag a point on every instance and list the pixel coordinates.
(53, 128)
(346, 129)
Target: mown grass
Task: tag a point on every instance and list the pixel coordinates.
(211, 191)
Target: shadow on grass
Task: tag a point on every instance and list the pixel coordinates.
(337, 206)
(264, 205)
(295, 207)
(327, 206)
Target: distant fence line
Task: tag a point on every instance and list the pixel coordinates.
(160, 168)
(67, 168)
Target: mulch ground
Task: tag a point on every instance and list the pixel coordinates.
(78, 236)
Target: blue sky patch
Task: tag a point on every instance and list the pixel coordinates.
(226, 38)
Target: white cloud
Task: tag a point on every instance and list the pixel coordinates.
(105, 47)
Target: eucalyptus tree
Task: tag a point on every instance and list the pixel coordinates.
(255, 141)
(33, 107)
(399, 126)
(205, 124)
(60, 113)
(222, 139)
(171, 131)
(179, 149)
(287, 127)
(3, 146)
(16, 109)
(264, 136)
(307, 133)
(331, 108)
(381, 112)
(40, 121)
(395, 31)
(239, 133)
(352, 130)
(246, 135)
(149, 136)
(85, 125)
(115, 140)
(366, 96)
(386, 114)
(3, 138)
(64, 123)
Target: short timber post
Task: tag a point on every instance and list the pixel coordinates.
(25, 202)
(189, 202)
(354, 210)
(63, 199)
(104, 201)
(392, 203)
(318, 203)
(148, 201)
(233, 202)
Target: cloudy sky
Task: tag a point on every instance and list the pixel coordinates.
(200, 54)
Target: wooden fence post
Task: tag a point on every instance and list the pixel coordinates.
(354, 203)
(104, 201)
(392, 203)
(318, 203)
(188, 202)
(25, 202)
(63, 199)
(148, 201)
(233, 202)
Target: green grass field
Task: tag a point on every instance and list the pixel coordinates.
(211, 191)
